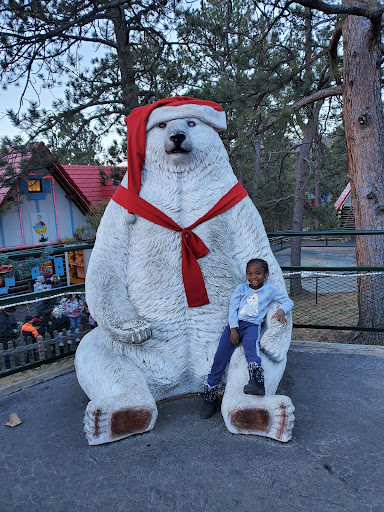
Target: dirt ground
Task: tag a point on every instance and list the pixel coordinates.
(333, 308)
(27, 374)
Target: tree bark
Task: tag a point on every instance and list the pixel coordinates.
(364, 129)
(299, 203)
(256, 167)
(317, 166)
(309, 130)
(124, 58)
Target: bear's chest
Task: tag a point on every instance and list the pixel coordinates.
(154, 272)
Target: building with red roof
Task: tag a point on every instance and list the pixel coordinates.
(46, 201)
(344, 208)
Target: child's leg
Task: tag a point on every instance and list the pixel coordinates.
(72, 322)
(250, 337)
(250, 340)
(222, 357)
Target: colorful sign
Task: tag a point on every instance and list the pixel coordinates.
(40, 230)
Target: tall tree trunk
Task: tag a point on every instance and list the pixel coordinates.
(317, 166)
(364, 130)
(308, 129)
(299, 202)
(124, 58)
(256, 167)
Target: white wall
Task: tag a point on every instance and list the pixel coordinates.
(67, 221)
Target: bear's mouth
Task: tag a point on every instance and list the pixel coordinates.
(178, 150)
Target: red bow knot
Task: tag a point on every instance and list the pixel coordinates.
(193, 243)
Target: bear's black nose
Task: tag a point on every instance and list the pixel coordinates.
(177, 138)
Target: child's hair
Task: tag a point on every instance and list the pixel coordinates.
(263, 263)
(28, 319)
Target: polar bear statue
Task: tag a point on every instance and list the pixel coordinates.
(160, 313)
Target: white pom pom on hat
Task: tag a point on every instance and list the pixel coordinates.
(204, 113)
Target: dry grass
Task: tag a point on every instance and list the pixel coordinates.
(334, 308)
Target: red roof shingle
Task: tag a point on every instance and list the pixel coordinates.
(87, 178)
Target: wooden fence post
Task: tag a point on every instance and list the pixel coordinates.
(40, 347)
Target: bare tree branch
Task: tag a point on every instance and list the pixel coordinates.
(371, 13)
(318, 95)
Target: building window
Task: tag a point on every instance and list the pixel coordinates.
(35, 185)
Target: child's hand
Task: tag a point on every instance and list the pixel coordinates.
(280, 317)
(235, 340)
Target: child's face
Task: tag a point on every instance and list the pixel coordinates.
(256, 275)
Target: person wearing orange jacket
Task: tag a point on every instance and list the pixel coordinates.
(28, 329)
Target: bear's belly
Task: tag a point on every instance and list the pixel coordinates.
(156, 290)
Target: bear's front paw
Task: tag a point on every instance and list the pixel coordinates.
(276, 350)
(137, 331)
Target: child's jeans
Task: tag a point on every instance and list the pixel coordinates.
(75, 321)
(249, 335)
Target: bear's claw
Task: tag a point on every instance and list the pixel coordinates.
(137, 331)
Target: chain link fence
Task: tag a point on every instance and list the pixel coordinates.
(330, 299)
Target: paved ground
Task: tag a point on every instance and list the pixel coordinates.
(344, 256)
(335, 461)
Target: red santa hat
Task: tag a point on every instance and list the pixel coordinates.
(144, 118)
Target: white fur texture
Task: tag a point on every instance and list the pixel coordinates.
(204, 113)
(149, 345)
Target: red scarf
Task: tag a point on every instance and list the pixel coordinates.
(192, 246)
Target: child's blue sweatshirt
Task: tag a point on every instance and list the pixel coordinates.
(251, 305)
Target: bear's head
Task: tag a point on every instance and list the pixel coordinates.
(182, 139)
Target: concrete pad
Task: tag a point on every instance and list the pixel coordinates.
(335, 461)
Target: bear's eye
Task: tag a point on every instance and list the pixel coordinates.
(191, 123)
(162, 125)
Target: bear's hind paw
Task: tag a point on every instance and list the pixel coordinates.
(105, 425)
(272, 417)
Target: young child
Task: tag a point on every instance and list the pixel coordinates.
(247, 309)
(28, 329)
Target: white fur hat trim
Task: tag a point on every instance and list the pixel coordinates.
(205, 113)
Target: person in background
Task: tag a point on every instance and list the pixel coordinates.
(40, 284)
(55, 282)
(28, 329)
(8, 326)
(73, 308)
(58, 320)
(59, 307)
(8, 330)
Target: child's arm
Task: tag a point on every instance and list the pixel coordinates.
(286, 305)
(234, 305)
(233, 319)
